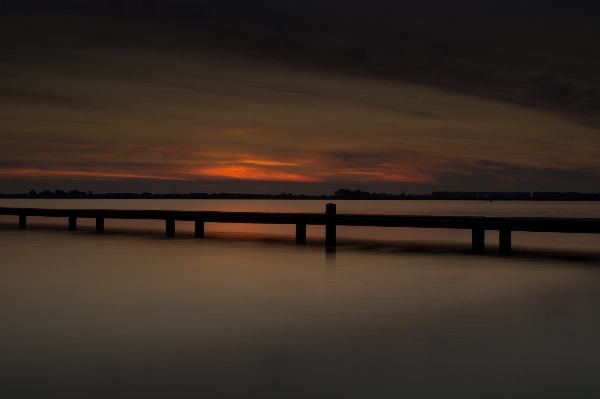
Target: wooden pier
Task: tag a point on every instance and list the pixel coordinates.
(477, 224)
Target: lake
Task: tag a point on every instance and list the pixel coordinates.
(393, 312)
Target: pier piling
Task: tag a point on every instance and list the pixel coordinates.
(199, 229)
(478, 237)
(330, 228)
(505, 245)
(22, 221)
(170, 227)
(72, 223)
(300, 233)
(99, 225)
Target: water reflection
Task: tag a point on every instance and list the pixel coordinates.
(571, 247)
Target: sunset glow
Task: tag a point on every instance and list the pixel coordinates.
(241, 172)
(213, 114)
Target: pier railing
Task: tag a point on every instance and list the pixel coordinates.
(477, 224)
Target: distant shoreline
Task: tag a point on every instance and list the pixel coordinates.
(339, 195)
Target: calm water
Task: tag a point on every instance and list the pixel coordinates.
(246, 313)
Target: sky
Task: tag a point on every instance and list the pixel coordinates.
(304, 97)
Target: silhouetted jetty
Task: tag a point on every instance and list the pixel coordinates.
(477, 224)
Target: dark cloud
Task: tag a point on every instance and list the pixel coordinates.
(544, 54)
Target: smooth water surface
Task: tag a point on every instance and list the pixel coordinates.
(129, 315)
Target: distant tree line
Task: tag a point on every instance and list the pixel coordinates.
(341, 194)
(472, 195)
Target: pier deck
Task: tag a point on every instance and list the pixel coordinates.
(477, 224)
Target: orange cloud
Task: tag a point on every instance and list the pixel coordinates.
(249, 173)
(266, 162)
(230, 172)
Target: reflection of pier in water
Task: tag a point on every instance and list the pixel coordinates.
(477, 224)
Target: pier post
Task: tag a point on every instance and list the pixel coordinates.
(72, 223)
(300, 233)
(505, 243)
(22, 221)
(478, 237)
(170, 227)
(199, 231)
(330, 238)
(99, 225)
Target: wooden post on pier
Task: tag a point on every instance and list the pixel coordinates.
(330, 238)
(300, 233)
(100, 225)
(505, 242)
(199, 232)
(170, 227)
(72, 223)
(478, 237)
(22, 221)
